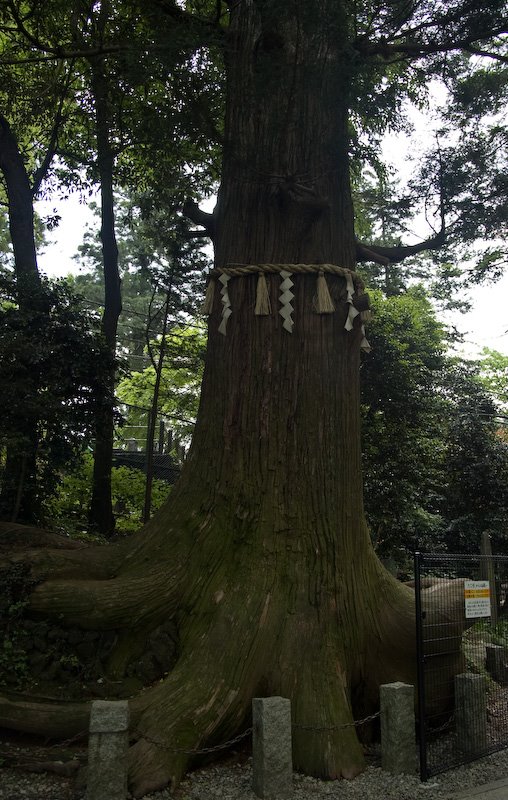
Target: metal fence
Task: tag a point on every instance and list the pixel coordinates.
(462, 654)
(172, 435)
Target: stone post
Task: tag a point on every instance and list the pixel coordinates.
(398, 736)
(471, 713)
(495, 662)
(107, 750)
(271, 748)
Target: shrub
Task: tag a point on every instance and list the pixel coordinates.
(68, 508)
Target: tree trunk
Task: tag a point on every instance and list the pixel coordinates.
(18, 498)
(261, 554)
(101, 509)
(152, 416)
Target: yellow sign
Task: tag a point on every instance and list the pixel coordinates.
(477, 599)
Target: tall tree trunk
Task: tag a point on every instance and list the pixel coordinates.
(261, 554)
(152, 416)
(18, 498)
(101, 510)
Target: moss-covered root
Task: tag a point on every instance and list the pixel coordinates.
(325, 743)
(202, 703)
(51, 720)
(124, 601)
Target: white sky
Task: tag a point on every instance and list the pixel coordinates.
(486, 325)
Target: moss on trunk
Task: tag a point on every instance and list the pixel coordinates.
(262, 553)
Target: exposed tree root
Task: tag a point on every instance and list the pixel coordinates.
(23, 537)
(254, 632)
(124, 601)
(52, 720)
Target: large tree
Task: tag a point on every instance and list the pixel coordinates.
(262, 556)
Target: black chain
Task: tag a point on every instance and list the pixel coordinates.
(224, 745)
(236, 739)
(355, 724)
(197, 750)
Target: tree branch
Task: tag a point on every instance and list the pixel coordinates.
(397, 253)
(61, 54)
(475, 51)
(44, 47)
(42, 171)
(177, 15)
(193, 212)
(415, 49)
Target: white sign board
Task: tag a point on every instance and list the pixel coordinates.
(477, 599)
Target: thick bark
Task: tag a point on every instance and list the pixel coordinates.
(262, 553)
(101, 510)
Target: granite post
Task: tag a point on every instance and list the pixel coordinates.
(398, 736)
(495, 662)
(107, 750)
(471, 713)
(271, 748)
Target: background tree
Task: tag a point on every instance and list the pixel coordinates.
(494, 375)
(61, 405)
(475, 466)
(434, 458)
(112, 136)
(403, 436)
(18, 492)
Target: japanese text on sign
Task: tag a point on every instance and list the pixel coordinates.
(477, 599)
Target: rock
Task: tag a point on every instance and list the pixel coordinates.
(163, 649)
(74, 636)
(85, 650)
(147, 669)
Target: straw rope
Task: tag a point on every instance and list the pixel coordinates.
(323, 302)
(237, 270)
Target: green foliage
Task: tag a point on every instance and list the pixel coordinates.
(51, 368)
(401, 409)
(16, 586)
(180, 381)
(154, 255)
(435, 464)
(494, 375)
(68, 508)
(476, 464)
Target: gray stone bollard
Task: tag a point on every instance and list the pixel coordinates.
(272, 761)
(107, 750)
(398, 736)
(495, 662)
(471, 713)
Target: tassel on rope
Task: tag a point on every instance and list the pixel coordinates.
(263, 308)
(207, 307)
(324, 303)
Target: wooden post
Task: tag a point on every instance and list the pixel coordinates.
(488, 573)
